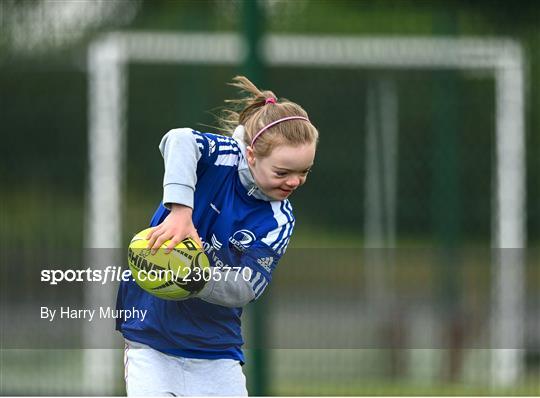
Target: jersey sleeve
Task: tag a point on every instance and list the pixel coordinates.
(232, 290)
(186, 153)
(262, 261)
(263, 256)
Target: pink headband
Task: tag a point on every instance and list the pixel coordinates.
(270, 100)
(274, 123)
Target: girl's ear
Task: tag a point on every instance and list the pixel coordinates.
(250, 156)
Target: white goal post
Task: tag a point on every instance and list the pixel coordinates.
(109, 56)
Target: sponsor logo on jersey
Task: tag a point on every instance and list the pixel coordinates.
(216, 244)
(211, 249)
(266, 262)
(242, 239)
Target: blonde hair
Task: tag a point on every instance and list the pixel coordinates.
(253, 112)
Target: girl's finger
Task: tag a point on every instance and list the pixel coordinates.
(172, 245)
(195, 236)
(150, 232)
(159, 241)
(152, 236)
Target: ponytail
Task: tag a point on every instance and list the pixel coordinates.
(256, 109)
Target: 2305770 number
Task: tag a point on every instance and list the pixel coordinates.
(217, 274)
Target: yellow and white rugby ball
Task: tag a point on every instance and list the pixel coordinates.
(174, 276)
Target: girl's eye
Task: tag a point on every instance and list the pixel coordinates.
(280, 174)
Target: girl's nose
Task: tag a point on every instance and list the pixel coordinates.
(293, 182)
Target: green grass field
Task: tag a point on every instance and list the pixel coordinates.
(59, 372)
(401, 388)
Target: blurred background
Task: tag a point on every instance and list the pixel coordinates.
(390, 280)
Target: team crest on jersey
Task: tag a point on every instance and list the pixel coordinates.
(242, 239)
(266, 262)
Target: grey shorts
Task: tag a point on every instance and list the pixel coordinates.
(148, 372)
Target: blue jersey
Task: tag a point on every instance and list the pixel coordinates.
(237, 229)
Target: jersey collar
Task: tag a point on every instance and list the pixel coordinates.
(246, 178)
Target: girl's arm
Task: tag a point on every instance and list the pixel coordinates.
(181, 150)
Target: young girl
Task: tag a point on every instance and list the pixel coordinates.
(231, 194)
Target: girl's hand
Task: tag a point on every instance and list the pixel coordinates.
(177, 226)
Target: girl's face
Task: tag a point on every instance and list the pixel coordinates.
(284, 170)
